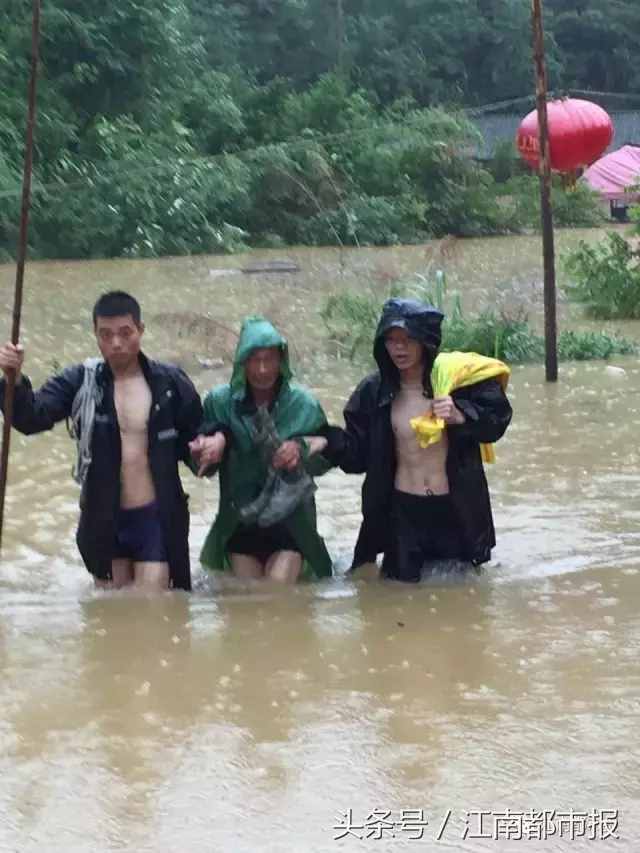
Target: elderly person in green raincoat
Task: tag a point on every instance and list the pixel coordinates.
(268, 447)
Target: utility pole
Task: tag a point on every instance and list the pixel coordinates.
(544, 170)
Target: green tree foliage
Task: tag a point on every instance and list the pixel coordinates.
(597, 44)
(108, 59)
(182, 126)
(577, 206)
(132, 200)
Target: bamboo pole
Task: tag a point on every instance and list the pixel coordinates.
(21, 254)
(546, 213)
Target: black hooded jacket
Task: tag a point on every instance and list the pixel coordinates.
(366, 444)
(175, 415)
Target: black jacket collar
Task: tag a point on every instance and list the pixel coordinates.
(105, 374)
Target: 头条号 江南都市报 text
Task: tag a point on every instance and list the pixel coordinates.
(490, 824)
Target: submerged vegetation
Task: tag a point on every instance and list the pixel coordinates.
(350, 321)
(605, 278)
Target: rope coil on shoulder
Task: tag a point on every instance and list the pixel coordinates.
(83, 413)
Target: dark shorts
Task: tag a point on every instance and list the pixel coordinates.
(261, 542)
(423, 528)
(139, 535)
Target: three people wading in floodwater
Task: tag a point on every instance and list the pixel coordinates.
(418, 428)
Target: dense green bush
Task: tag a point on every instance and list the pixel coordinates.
(378, 178)
(581, 346)
(146, 205)
(506, 162)
(576, 206)
(367, 220)
(605, 278)
(494, 335)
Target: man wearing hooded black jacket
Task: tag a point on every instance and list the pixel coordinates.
(448, 515)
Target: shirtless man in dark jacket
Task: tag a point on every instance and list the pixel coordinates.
(418, 504)
(134, 521)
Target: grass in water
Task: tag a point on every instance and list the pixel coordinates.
(351, 317)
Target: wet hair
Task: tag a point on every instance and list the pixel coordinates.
(117, 303)
(429, 356)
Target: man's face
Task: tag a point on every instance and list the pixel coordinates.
(119, 339)
(262, 368)
(405, 352)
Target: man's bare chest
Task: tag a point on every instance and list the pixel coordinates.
(132, 399)
(405, 407)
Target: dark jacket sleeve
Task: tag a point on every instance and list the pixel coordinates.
(214, 420)
(349, 447)
(212, 427)
(188, 414)
(486, 409)
(37, 411)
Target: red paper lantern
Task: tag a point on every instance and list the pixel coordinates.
(579, 132)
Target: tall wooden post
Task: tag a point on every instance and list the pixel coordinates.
(550, 324)
(22, 253)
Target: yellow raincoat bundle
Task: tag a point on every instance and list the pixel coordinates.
(451, 371)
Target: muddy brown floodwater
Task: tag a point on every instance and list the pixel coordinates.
(500, 713)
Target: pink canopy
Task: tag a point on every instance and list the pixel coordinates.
(613, 174)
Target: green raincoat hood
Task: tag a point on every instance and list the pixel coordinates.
(256, 333)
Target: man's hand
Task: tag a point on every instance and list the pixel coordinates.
(287, 456)
(316, 444)
(207, 450)
(11, 358)
(445, 408)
